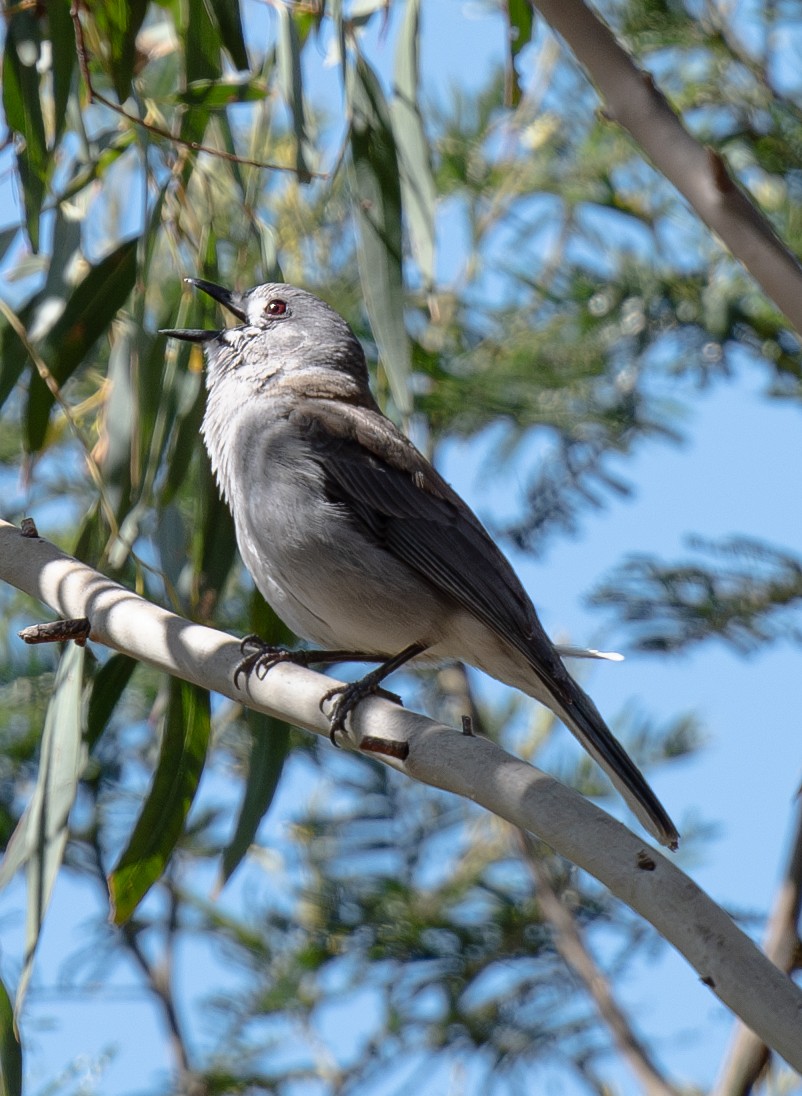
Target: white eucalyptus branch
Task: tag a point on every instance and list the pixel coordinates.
(724, 957)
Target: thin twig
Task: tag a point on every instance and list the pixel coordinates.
(195, 146)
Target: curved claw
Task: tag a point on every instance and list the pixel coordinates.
(263, 657)
(348, 696)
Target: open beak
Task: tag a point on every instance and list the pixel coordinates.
(232, 301)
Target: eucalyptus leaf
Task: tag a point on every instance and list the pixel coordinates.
(288, 55)
(270, 744)
(40, 837)
(10, 1048)
(23, 113)
(376, 196)
(185, 740)
(417, 181)
(86, 316)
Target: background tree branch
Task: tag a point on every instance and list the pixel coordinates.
(632, 99)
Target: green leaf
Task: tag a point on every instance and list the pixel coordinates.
(40, 837)
(227, 14)
(185, 740)
(87, 315)
(269, 747)
(219, 94)
(521, 20)
(62, 41)
(288, 55)
(109, 685)
(377, 201)
(13, 356)
(202, 51)
(118, 23)
(216, 545)
(24, 114)
(417, 181)
(10, 1048)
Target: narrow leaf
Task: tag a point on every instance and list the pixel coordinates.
(109, 685)
(87, 315)
(185, 740)
(215, 545)
(227, 14)
(519, 34)
(417, 182)
(269, 747)
(10, 1049)
(118, 23)
(219, 94)
(288, 55)
(377, 202)
(41, 834)
(202, 51)
(24, 114)
(62, 40)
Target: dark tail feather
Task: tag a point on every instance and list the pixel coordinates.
(583, 718)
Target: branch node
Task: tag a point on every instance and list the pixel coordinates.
(58, 631)
(386, 746)
(721, 176)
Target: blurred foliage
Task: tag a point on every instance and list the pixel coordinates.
(155, 140)
(739, 590)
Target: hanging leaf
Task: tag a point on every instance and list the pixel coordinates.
(417, 182)
(10, 1048)
(270, 744)
(269, 747)
(40, 837)
(215, 546)
(520, 20)
(87, 315)
(227, 14)
(23, 112)
(118, 23)
(202, 52)
(377, 202)
(185, 740)
(109, 685)
(62, 43)
(219, 94)
(288, 55)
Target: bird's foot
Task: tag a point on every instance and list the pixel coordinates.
(346, 698)
(259, 657)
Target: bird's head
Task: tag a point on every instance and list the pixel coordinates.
(285, 334)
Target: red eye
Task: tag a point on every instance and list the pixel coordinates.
(276, 308)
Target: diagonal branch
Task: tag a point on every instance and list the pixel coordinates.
(699, 173)
(727, 961)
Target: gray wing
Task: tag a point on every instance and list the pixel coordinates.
(393, 493)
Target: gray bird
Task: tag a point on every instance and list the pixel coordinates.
(351, 535)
